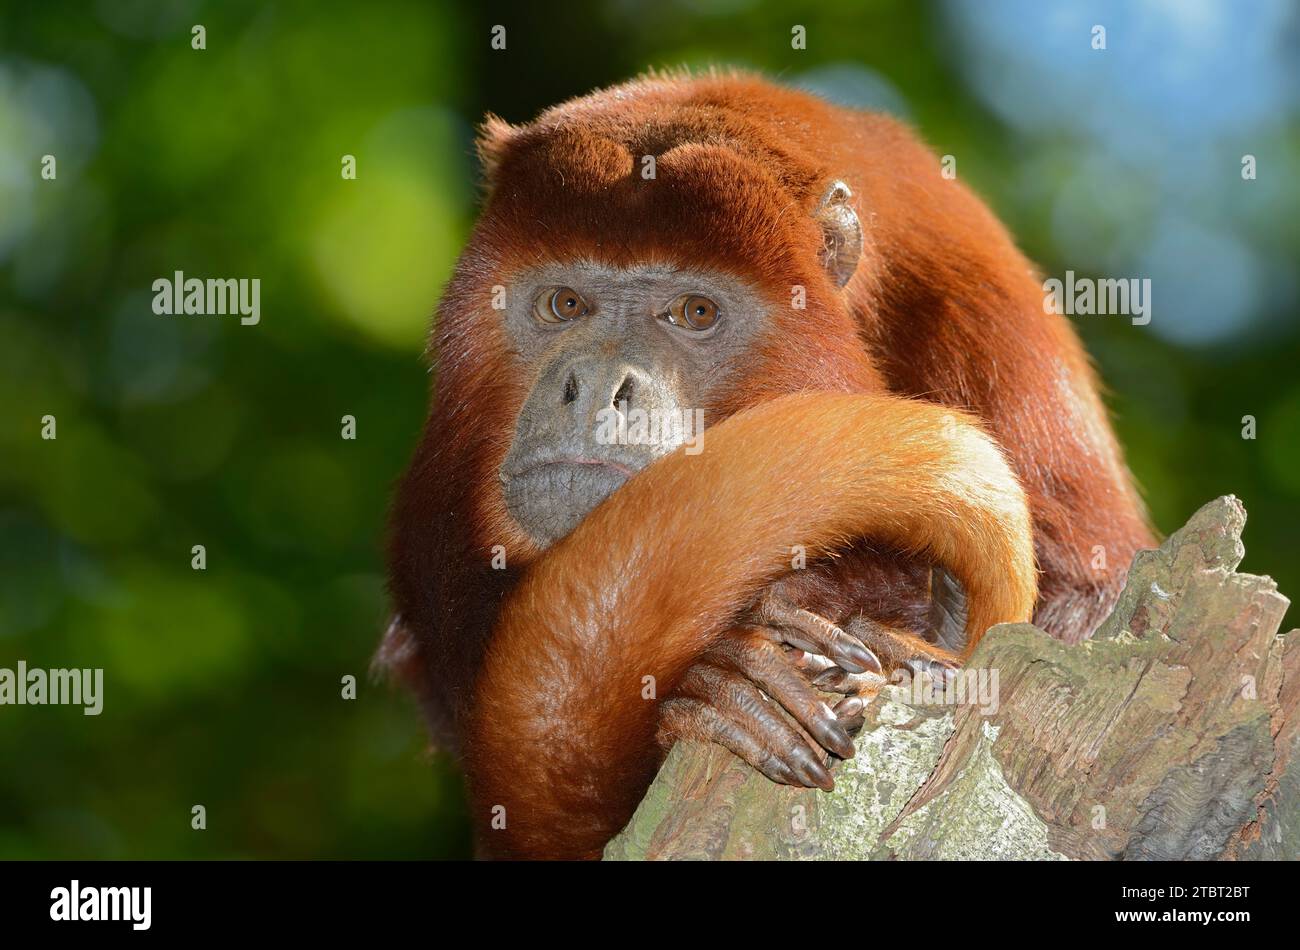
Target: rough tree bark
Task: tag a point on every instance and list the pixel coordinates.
(1172, 733)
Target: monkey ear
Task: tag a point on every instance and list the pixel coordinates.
(841, 232)
(494, 137)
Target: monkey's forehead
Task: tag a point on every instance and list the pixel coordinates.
(578, 195)
(643, 279)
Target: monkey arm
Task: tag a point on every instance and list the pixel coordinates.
(561, 742)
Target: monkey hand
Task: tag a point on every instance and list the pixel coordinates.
(793, 656)
(897, 651)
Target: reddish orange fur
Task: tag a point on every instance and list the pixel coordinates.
(560, 733)
(942, 308)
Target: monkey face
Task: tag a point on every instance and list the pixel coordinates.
(626, 363)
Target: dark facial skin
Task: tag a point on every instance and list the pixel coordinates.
(626, 347)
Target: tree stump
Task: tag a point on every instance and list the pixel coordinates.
(1172, 733)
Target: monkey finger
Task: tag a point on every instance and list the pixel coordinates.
(849, 711)
(767, 734)
(901, 649)
(837, 680)
(694, 719)
(764, 664)
(860, 689)
(808, 631)
(810, 664)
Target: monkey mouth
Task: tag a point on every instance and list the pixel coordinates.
(549, 498)
(625, 470)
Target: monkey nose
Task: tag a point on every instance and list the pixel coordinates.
(594, 388)
(623, 395)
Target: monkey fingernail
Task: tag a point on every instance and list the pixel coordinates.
(856, 658)
(835, 739)
(850, 711)
(813, 772)
(832, 735)
(848, 707)
(843, 748)
(814, 664)
(811, 662)
(778, 771)
(831, 679)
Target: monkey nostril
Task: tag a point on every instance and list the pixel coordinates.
(624, 393)
(570, 389)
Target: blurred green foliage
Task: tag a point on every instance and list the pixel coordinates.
(223, 686)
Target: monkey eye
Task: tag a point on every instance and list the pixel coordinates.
(559, 305)
(693, 311)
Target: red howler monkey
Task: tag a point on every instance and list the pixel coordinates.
(852, 324)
